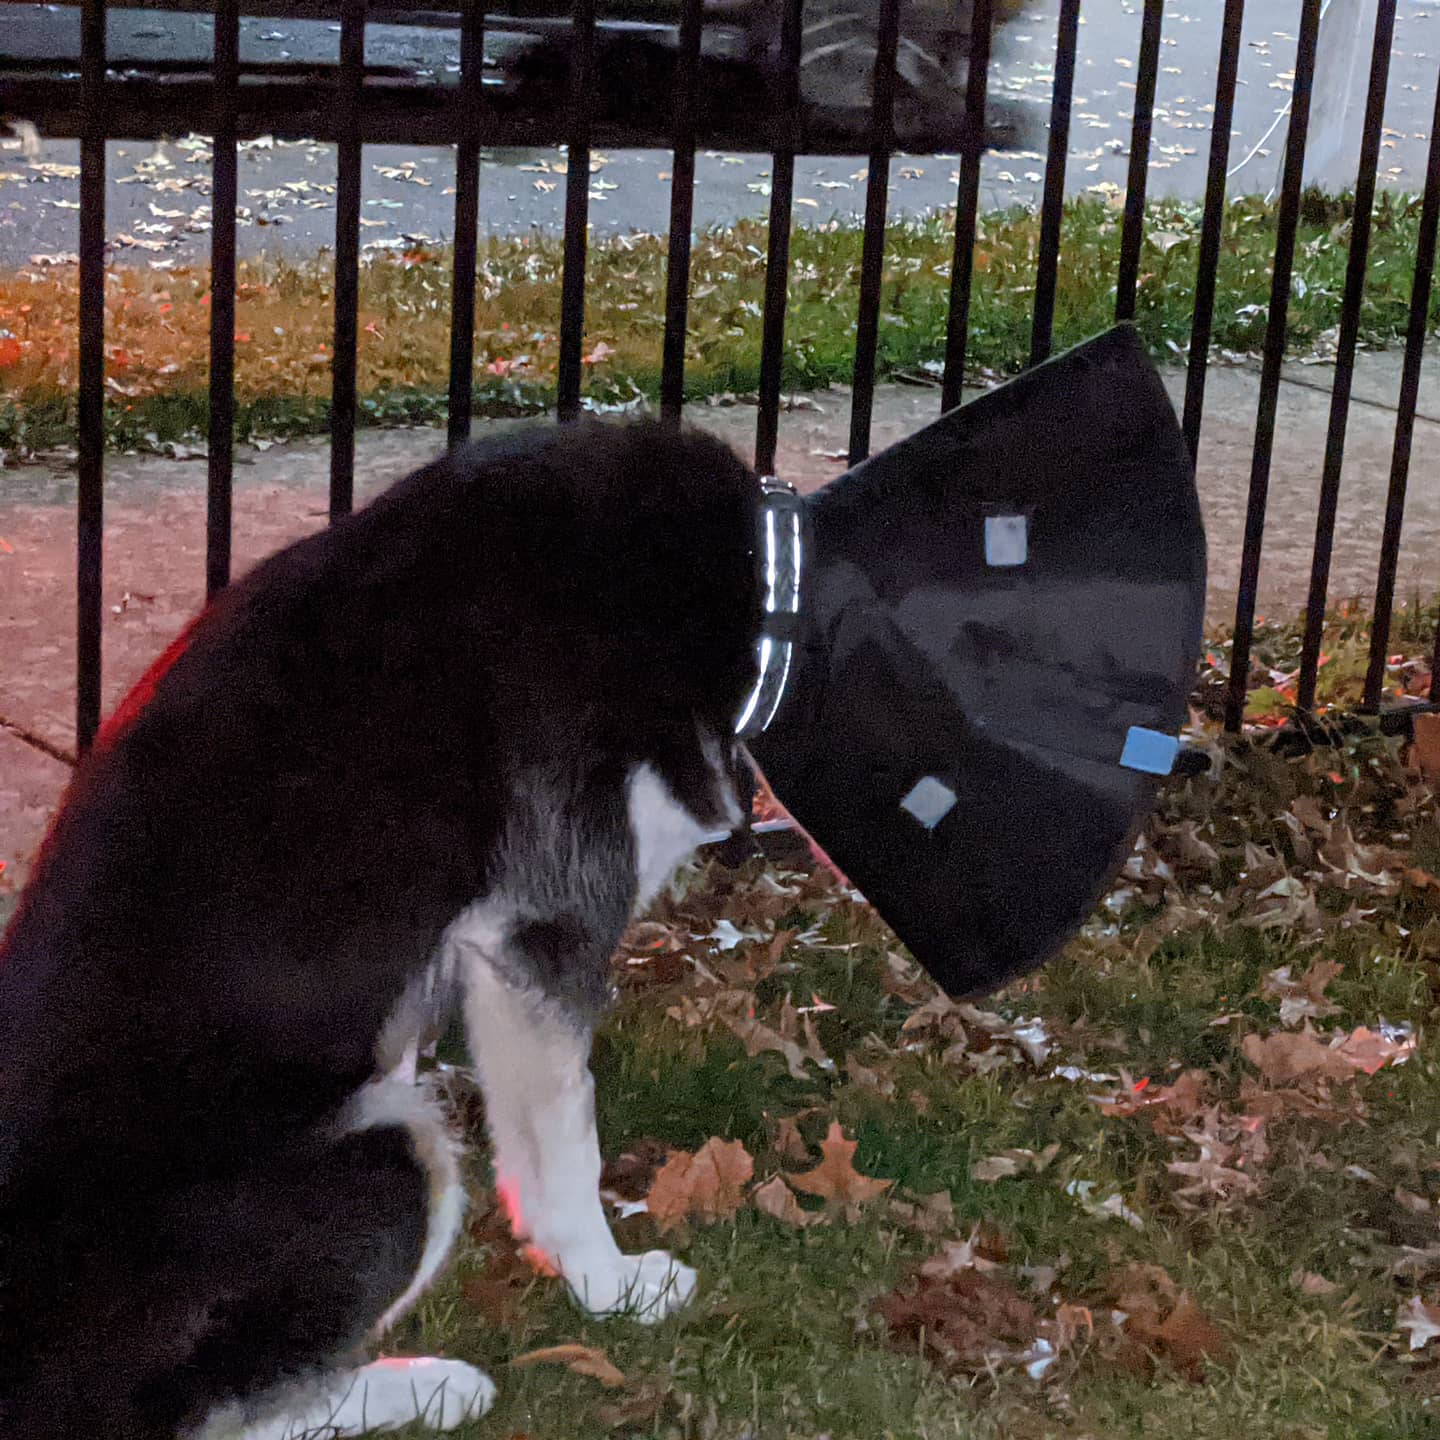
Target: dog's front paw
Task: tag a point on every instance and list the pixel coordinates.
(644, 1287)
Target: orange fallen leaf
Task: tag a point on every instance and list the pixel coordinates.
(775, 1199)
(581, 1359)
(1368, 1050)
(1161, 1324)
(708, 1185)
(835, 1179)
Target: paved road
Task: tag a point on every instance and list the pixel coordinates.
(157, 195)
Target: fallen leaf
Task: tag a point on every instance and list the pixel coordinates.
(706, 1186)
(758, 1038)
(582, 1359)
(1420, 1319)
(774, 1198)
(1370, 1050)
(631, 1173)
(499, 1290)
(835, 1179)
(1304, 998)
(1159, 1323)
(1292, 1056)
(635, 1410)
(1425, 752)
(967, 1322)
(930, 1214)
(1168, 1107)
(1189, 1339)
(789, 1143)
(1013, 1162)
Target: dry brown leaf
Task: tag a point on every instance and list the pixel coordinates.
(869, 1079)
(1310, 1283)
(1425, 752)
(1009, 1163)
(1294, 1056)
(1232, 1148)
(1168, 1107)
(1160, 1323)
(631, 1173)
(930, 1214)
(836, 1180)
(1189, 1339)
(582, 1359)
(968, 1322)
(500, 1289)
(1368, 1050)
(789, 1143)
(633, 1410)
(1279, 1104)
(1303, 998)
(706, 1186)
(774, 1198)
(758, 1038)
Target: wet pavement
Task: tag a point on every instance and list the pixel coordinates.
(158, 194)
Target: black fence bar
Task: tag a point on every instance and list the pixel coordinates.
(1341, 385)
(90, 507)
(682, 212)
(467, 225)
(1287, 224)
(872, 255)
(967, 206)
(1132, 237)
(347, 260)
(1213, 224)
(1052, 206)
(223, 195)
(777, 251)
(577, 212)
(1405, 431)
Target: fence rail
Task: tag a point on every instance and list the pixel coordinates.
(353, 105)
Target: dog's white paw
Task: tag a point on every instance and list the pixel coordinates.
(644, 1287)
(382, 1396)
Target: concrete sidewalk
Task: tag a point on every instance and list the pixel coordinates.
(155, 534)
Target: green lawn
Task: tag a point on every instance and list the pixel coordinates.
(158, 347)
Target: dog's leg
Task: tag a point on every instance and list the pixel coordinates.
(382, 1396)
(533, 1061)
(534, 962)
(358, 1227)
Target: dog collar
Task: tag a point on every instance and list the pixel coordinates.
(779, 549)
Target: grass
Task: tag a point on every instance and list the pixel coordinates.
(1302, 1266)
(158, 346)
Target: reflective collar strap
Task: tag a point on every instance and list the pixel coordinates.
(779, 553)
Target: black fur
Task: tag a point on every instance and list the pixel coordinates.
(250, 871)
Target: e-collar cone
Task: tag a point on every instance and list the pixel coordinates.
(997, 611)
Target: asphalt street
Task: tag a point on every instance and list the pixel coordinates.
(158, 195)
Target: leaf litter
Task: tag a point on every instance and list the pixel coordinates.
(1142, 1121)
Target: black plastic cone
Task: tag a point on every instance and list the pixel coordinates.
(1001, 620)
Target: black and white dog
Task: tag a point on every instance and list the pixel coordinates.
(464, 733)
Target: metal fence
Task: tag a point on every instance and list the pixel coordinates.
(355, 105)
